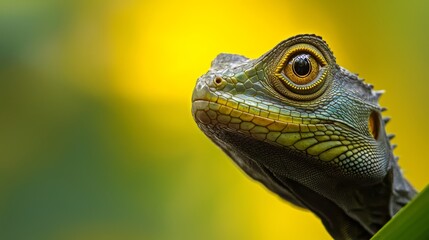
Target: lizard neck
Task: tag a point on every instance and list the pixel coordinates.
(347, 209)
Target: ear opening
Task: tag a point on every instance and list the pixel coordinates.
(374, 124)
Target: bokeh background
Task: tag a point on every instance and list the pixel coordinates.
(96, 136)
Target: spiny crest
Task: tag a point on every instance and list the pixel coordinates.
(378, 93)
(369, 87)
(386, 120)
(390, 136)
(360, 88)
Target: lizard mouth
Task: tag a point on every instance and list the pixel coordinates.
(322, 140)
(314, 137)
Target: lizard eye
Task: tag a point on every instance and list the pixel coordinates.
(302, 71)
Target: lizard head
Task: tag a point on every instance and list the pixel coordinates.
(293, 108)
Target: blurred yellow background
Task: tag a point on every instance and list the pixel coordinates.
(96, 136)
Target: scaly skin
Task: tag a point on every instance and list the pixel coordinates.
(316, 140)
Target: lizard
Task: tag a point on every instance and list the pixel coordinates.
(309, 130)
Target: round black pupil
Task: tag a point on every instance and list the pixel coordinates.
(301, 65)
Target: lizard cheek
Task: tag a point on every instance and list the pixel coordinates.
(374, 124)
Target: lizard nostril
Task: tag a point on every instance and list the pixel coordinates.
(218, 80)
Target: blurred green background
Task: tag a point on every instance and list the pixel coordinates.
(96, 136)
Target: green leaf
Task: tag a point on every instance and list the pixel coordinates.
(411, 222)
